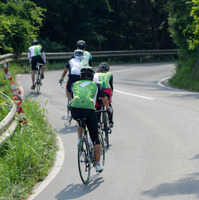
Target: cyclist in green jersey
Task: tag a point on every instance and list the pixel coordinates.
(105, 79)
(36, 55)
(85, 92)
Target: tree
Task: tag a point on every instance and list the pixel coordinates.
(20, 21)
(67, 21)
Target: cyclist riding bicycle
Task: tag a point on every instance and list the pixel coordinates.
(36, 55)
(87, 57)
(105, 79)
(85, 93)
(73, 66)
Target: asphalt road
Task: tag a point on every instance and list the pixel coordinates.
(154, 152)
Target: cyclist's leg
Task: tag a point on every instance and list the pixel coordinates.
(77, 114)
(33, 76)
(40, 60)
(34, 68)
(109, 96)
(98, 114)
(93, 131)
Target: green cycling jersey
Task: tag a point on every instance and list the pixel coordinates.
(85, 93)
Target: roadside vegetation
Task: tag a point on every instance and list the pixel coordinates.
(28, 155)
(184, 29)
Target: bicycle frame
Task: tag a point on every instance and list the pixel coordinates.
(87, 161)
(103, 120)
(37, 78)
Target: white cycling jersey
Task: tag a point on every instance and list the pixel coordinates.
(75, 66)
(36, 50)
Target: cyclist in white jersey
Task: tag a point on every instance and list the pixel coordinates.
(36, 55)
(73, 66)
(87, 57)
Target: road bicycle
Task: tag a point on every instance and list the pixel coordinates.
(103, 120)
(86, 155)
(37, 78)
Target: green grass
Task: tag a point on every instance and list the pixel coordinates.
(27, 157)
(5, 107)
(185, 77)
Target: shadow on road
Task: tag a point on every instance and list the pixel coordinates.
(185, 186)
(74, 191)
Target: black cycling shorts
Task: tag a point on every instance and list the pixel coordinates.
(35, 60)
(72, 79)
(91, 122)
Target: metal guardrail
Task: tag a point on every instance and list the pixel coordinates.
(95, 54)
(9, 124)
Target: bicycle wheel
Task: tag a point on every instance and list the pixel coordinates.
(105, 128)
(37, 84)
(102, 155)
(84, 162)
(69, 116)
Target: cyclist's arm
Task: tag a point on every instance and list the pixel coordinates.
(105, 102)
(90, 62)
(65, 71)
(102, 94)
(111, 82)
(29, 56)
(43, 57)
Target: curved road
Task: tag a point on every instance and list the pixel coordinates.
(154, 151)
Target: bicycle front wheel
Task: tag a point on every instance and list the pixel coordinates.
(37, 84)
(69, 116)
(102, 153)
(105, 119)
(37, 87)
(84, 162)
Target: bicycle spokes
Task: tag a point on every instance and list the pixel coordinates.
(84, 161)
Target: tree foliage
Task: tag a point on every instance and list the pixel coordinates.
(103, 24)
(20, 21)
(107, 24)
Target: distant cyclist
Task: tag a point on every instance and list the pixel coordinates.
(105, 79)
(85, 93)
(73, 67)
(87, 57)
(36, 55)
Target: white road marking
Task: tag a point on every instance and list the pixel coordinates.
(123, 70)
(57, 166)
(134, 95)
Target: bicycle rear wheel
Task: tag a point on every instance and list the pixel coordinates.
(84, 162)
(105, 128)
(69, 116)
(102, 155)
(37, 84)
(37, 87)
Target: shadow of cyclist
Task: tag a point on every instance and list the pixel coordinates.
(74, 191)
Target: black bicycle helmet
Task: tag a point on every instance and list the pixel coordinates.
(34, 42)
(104, 66)
(78, 53)
(87, 73)
(81, 44)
